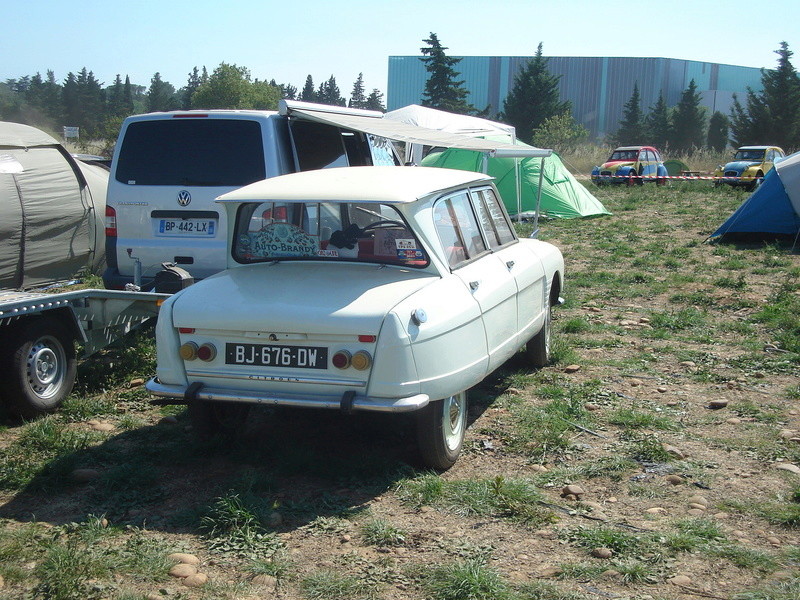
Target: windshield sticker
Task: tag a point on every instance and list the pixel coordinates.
(405, 244)
(280, 240)
(410, 255)
(331, 253)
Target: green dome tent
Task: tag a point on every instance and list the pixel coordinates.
(563, 196)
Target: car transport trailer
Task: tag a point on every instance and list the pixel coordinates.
(38, 332)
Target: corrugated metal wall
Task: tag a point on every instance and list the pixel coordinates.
(597, 87)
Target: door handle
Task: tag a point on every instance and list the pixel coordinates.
(474, 285)
(510, 264)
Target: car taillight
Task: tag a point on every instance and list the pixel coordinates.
(361, 360)
(111, 222)
(368, 339)
(341, 360)
(188, 351)
(207, 352)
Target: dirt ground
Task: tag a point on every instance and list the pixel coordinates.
(734, 415)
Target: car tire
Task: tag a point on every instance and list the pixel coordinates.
(214, 418)
(537, 350)
(40, 366)
(440, 431)
(756, 182)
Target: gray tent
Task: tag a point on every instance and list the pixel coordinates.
(52, 210)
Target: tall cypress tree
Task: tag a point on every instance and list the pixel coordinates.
(161, 95)
(308, 94)
(657, 127)
(688, 122)
(631, 128)
(357, 97)
(442, 89)
(781, 96)
(717, 132)
(534, 98)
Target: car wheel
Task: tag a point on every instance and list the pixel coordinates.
(440, 431)
(40, 367)
(631, 180)
(537, 350)
(756, 182)
(211, 418)
(661, 181)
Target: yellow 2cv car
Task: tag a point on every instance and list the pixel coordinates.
(391, 289)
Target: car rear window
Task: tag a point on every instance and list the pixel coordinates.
(362, 232)
(192, 152)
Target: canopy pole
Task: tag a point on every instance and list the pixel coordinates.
(518, 190)
(539, 198)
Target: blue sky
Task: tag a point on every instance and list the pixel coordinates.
(287, 41)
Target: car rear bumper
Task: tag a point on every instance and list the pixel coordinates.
(349, 401)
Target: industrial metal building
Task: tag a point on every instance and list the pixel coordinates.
(597, 87)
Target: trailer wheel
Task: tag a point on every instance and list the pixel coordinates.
(40, 364)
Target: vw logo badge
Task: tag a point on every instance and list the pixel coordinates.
(184, 198)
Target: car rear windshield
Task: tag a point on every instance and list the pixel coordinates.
(192, 152)
(362, 232)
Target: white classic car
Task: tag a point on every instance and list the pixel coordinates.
(388, 289)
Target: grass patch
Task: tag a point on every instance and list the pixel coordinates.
(514, 499)
(465, 580)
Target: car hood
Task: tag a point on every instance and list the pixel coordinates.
(616, 164)
(298, 297)
(741, 165)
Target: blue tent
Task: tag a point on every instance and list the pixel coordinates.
(773, 209)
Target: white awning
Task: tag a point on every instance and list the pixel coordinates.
(372, 122)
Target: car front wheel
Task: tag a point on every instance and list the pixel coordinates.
(537, 350)
(440, 431)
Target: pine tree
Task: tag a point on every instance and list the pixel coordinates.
(328, 93)
(161, 95)
(71, 101)
(192, 83)
(45, 95)
(308, 94)
(657, 126)
(357, 97)
(631, 129)
(717, 132)
(534, 98)
(781, 96)
(442, 90)
(375, 101)
(688, 122)
(127, 96)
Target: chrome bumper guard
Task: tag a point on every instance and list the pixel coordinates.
(348, 402)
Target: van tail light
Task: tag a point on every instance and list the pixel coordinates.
(341, 360)
(188, 351)
(185, 329)
(368, 339)
(111, 222)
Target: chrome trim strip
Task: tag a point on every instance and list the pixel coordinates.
(389, 405)
(278, 378)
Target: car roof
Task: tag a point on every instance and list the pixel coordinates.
(757, 148)
(391, 185)
(634, 148)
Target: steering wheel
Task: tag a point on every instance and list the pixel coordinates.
(384, 225)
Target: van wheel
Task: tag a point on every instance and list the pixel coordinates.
(40, 367)
(211, 418)
(440, 431)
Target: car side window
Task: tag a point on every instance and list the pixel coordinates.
(493, 219)
(458, 229)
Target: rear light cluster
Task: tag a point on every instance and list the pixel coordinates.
(361, 360)
(191, 351)
(111, 222)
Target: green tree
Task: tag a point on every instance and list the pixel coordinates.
(45, 95)
(375, 101)
(657, 125)
(229, 86)
(717, 132)
(161, 95)
(128, 102)
(631, 127)
(561, 132)
(534, 98)
(309, 94)
(193, 82)
(115, 98)
(357, 97)
(688, 122)
(328, 93)
(442, 89)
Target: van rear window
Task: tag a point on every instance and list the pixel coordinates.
(192, 152)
